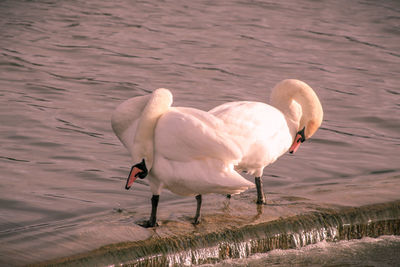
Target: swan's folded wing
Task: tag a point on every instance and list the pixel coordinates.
(261, 130)
(185, 134)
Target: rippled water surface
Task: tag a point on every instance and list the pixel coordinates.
(65, 65)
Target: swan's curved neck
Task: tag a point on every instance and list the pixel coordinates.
(143, 144)
(300, 105)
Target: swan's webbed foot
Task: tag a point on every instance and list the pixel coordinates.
(149, 224)
(196, 221)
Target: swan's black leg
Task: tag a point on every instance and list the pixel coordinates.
(229, 196)
(197, 217)
(154, 205)
(260, 192)
(153, 217)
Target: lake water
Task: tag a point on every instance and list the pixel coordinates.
(66, 65)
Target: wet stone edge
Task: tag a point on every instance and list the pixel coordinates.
(285, 233)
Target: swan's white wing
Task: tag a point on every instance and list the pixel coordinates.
(194, 155)
(184, 134)
(260, 129)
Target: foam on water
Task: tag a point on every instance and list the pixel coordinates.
(381, 251)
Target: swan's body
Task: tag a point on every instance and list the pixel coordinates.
(186, 151)
(194, 155)
(265, 132)
(261, 130)
(193, 152)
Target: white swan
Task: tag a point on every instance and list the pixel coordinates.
(184, 150)
(263, 132)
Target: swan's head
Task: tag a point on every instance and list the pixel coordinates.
(305, 131)
(311, 120)
(301, 106)
(138, 170)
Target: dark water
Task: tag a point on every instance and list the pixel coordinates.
(65, 65)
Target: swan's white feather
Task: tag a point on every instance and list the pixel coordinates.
(192, 152)
(197, 152)
(185, 134)
(261, 130)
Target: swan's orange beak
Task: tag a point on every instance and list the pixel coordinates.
(297, 141)
(133, 174)
(138, 170)
(296, 144)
